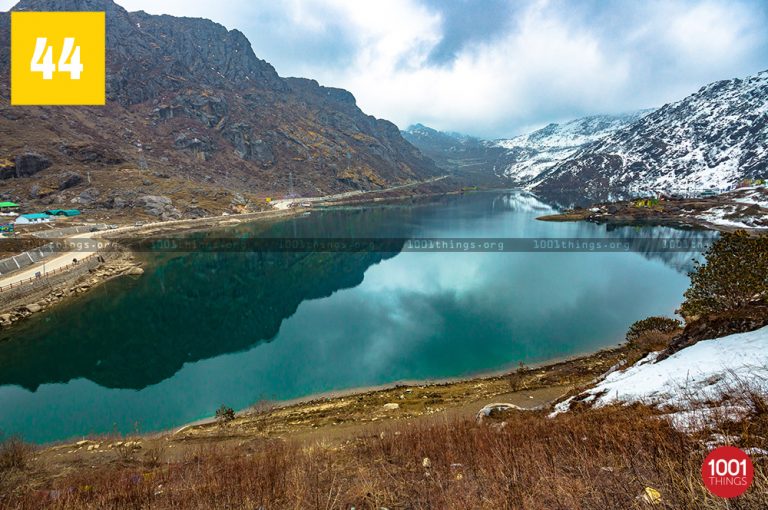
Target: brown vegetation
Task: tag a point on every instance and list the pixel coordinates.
(595, 459)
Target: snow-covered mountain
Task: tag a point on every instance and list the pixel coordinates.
(529, 155)
(711, 139)
(517, 160)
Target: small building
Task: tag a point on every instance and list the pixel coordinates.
(8, 207)
(63, 212)
(29, 219)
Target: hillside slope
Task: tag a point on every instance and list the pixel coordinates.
(469, 160)
(191, 109)
(711, 139)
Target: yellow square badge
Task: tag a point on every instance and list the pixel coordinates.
(58, 58)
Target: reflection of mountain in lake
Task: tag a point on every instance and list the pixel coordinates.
(562, 200)
(678, 248)
(138, 338)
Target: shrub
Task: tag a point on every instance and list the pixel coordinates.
(518, 379)
(225, 414)
(660, 324)
(735, 274)
(14, 453)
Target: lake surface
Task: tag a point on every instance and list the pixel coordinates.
(208, 328)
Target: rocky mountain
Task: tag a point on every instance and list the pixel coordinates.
(518, 160)
(711, 139)
(470, 160)
(192, 113)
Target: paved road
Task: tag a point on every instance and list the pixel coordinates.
(286, 203)
(52, 263)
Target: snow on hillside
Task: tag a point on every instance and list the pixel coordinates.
(531, 154)
(711, 139)
(755, 195)
(748, 208)
(702, 372)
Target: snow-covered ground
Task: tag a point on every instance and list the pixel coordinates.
(700, 373)
(718, 216)
(748, 209)
(757, 195)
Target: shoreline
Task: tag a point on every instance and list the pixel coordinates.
(74, 282)
(560, 374)
(742, 209)
(579, 364)
(16, 310)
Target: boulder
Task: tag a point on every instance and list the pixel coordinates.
(198, 144)
(155, 202)
(495, 409)
(392, 406)
(69, 180)
(30, 163)
(89, 196)
(7, 169)
(159, 206)
(88, 153)
(33, 308)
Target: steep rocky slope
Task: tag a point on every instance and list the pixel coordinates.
(192, 111)
(711, 139)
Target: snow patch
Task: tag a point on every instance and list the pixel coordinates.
(706, 371)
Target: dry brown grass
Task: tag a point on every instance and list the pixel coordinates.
(595, 459)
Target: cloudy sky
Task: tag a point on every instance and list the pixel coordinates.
(496, 68)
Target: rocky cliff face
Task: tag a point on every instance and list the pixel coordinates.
(711, 139)
(189, 102)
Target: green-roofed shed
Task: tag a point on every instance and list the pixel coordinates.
(8, 205)
(63, 212)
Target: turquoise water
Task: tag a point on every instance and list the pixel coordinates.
(203, 329)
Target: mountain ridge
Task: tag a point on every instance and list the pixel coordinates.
(517, 160)
(713, 138)
(190, 106)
